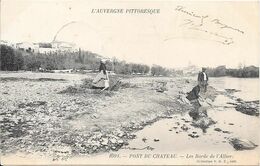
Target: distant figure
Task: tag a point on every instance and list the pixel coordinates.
(203, 79)
(101, 80)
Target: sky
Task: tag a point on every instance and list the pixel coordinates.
(171, 38)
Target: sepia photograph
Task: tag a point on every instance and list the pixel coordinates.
(142, 82)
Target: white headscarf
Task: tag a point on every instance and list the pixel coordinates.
(103, 60)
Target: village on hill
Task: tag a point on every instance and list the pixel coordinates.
(43, 47)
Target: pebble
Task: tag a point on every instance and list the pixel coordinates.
(144, 139)
(104, 141)
(217, 129)
(193, 135)
(121, 134)
(120, 141)
(156, 140)
(227, 132)
(112, 140)
(184, 127)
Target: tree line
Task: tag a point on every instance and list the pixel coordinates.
(241, 72)
(13, 60)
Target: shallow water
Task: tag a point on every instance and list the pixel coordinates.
(233, 123)
(249, 87)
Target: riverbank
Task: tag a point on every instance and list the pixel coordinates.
(41, 114)
(54, 118)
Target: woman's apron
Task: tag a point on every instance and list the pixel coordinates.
(99, 80)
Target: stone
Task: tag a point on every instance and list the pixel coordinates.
(203, 123)
(144, 139)
(104, 141)
(113, 140)
(156, 140)
(232, 90)
(227, 132)
(184, 127)
(217, 129)
(249, 108)
(193, 135)
(242, 144)
(120, 141)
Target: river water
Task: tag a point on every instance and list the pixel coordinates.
(167, 137)
(249, 87)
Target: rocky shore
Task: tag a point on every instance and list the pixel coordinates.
(64, 118)
(245, 107)
(60, 116)
(203, 121)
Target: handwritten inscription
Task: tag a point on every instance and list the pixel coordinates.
(201, 17)
(204, 24)
(222, 26)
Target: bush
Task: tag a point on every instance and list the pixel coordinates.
(157, 70)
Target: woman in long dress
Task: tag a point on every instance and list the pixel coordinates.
(101, 80)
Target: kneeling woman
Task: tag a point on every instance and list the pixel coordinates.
(101, 81)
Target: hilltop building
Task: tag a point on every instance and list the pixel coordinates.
(7, 43)
(64, 46)
(27, 46)
(44, 48)
(191, 70)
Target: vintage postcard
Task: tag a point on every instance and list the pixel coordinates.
(86, 82)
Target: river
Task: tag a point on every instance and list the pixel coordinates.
(249, 87)
(166, 136)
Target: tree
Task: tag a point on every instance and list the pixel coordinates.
(19, 60)
(7, 58)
